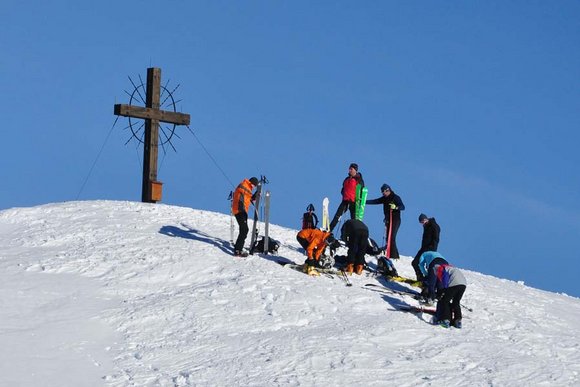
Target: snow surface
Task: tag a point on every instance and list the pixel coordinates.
(132, 294)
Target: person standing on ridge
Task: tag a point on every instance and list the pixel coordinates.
(348, 192)
(429, 242)
(240, 205)
(392, 207)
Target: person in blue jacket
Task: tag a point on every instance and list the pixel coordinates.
(425, 265)
(428, 259)
(445, 283)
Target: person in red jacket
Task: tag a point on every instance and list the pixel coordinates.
(348, 194)
(240, 205)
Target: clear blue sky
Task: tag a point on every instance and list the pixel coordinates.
(469, 110)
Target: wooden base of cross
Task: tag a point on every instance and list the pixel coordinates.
(151, 113)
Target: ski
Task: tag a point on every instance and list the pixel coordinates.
(417, 296)
(325, 218)
(254, 235)
(416, 309)
(412, 282)
(328, 272)
(267, 222)
(383, 289)
(360, 201)
(232, 227)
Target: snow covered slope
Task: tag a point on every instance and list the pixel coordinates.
(122, 294)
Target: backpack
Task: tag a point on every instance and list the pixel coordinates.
(443, 275)
(273, 245)
(386, 267)
(309, 220)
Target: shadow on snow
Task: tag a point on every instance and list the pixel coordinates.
(190, 233)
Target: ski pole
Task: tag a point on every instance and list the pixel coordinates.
(467, 307)
(390, 227)
(346, 279)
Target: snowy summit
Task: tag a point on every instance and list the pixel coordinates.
(106, 293)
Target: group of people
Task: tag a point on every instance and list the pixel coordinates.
(440, 280)
(392, 206)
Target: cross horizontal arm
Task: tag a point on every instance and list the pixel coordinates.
(152, 114)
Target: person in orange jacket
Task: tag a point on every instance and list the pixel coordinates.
(314, 241)
(240, 205)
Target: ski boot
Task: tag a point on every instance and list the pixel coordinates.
(349, 269)
(457, 324)
(241, 253)
(310, 268)
(358, 269)
(444, 323)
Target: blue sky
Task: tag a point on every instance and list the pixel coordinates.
(469, 110)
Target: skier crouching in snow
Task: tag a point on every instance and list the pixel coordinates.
(314, 241)
(355, 234)
(240, 205)
(428, 259)
(426, 262)
(447, 284)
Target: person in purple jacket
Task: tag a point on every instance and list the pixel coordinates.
(447, 284)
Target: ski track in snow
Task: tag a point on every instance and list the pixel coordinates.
(185, 312)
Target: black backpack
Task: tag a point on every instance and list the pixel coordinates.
(386, 267)
(273, 245)
(309, 219)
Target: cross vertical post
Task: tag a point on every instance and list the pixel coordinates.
(151, 140)
(153, 115)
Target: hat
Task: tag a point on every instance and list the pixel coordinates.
(354, 166)
(385, 187)
(254, 180)
(422, 217)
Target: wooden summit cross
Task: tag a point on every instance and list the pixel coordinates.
(151, 188)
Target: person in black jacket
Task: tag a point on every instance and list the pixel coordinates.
(355, 234)
(392, 207)
(430, 241)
